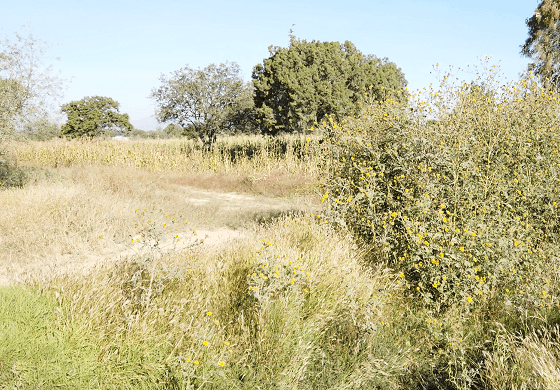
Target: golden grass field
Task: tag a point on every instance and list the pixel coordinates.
(69, 207)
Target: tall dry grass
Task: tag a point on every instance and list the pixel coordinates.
(233, 155)
(74, 217)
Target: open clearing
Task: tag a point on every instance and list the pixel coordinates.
(72, 219)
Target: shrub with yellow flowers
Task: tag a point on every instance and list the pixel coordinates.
(458, 189)
(275, 276)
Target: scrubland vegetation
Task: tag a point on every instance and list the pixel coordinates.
(429, 258)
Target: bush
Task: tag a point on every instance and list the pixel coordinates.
(459, 192)
(10, 174)
(42, 129)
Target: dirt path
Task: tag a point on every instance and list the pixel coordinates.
(82, 263)
(221, 218)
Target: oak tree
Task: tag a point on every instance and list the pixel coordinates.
(209, 100)
(93, 116)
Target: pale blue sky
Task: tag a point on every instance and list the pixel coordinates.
(119, 48)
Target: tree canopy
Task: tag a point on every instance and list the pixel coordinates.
(28, 87)
(297, 86)
(543, 43)
(93, 116)
(211, 100)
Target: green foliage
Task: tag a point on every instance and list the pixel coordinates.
(465, 206)
(28, 88)
(10, 174)
(42, 129)
(212, 100)
(93, 116)
(297, 86)
(542, 44)
(173, 131)
(170, 131)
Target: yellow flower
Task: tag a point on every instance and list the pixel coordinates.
(209, 313)
(469, 299)
(222, 364)
(205, 342)
(196, 362)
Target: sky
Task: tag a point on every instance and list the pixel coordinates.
(120, 48)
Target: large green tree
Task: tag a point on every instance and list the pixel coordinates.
(210, 100)
(93, 116)
(543, 43)
(297, 86)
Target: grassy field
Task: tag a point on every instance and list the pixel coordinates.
(107, 284)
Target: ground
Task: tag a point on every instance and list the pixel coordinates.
(73, 219)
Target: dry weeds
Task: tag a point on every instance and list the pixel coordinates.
(76, 217)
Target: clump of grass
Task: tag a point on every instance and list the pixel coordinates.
(10, 174)
(40, 346)
(326, 321)
(524, 361)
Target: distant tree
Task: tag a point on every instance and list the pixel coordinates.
(543, 44)
(173, 131)
(28, 88)
(42, 129)
(206, 99)
(297, 86)
(94, 116)
(242, 119)
(11, 92)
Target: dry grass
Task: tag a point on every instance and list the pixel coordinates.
(252, 156)
(59, 219)
(190, 320)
